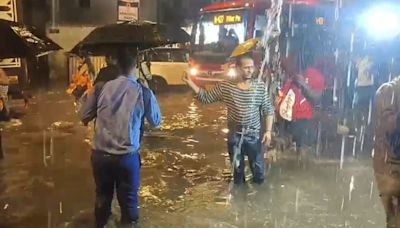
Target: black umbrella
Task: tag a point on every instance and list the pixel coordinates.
(19, 40)
(140, 35)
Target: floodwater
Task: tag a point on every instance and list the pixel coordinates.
(46, 179)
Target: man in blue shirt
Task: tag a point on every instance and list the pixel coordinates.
(118, 107)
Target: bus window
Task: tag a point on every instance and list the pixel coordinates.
(178, 56)
(160, 57)
(258, 33)
(214, 27)
(259, 25)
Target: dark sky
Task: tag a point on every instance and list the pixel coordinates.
(190, 9)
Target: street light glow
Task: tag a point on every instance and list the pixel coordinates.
(382, 22)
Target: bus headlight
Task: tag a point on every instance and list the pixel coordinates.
(231, 73)
(193, 71)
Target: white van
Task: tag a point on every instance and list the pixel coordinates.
(167, 66)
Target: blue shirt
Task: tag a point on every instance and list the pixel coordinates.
(119, 107)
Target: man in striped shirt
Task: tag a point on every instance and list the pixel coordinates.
(247, 102)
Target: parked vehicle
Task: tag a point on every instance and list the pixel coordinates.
(167, 66)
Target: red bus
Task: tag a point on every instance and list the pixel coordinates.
(218, 30)
(220, 27)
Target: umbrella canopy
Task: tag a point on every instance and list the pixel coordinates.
(141, 35)
(244, 48)
(19, 40)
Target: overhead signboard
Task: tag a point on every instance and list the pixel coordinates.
(227, 19)
(128, 10)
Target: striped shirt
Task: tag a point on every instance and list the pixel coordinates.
(244, 105)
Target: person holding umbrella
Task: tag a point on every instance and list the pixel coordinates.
(118, 107)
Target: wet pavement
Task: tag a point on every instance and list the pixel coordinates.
(46, 179)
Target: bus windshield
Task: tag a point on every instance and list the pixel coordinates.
(220, 32)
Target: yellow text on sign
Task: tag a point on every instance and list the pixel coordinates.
(319, 21)
(227, 19)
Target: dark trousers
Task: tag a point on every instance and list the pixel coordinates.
(120, 172)
(246, 144)
(302, 131)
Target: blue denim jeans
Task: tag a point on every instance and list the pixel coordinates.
(120, 172)
(240, 145)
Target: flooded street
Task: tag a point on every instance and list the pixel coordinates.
(46, 178)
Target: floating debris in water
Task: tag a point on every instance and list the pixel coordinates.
(221, 199)
(226, 171)
(193, 156)
(190, 140)
(227, 176)
(191, 171)
(215, 178)
(12, 123)
(146, 193)
(5, 206)
(88, 141)
(62, 125)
